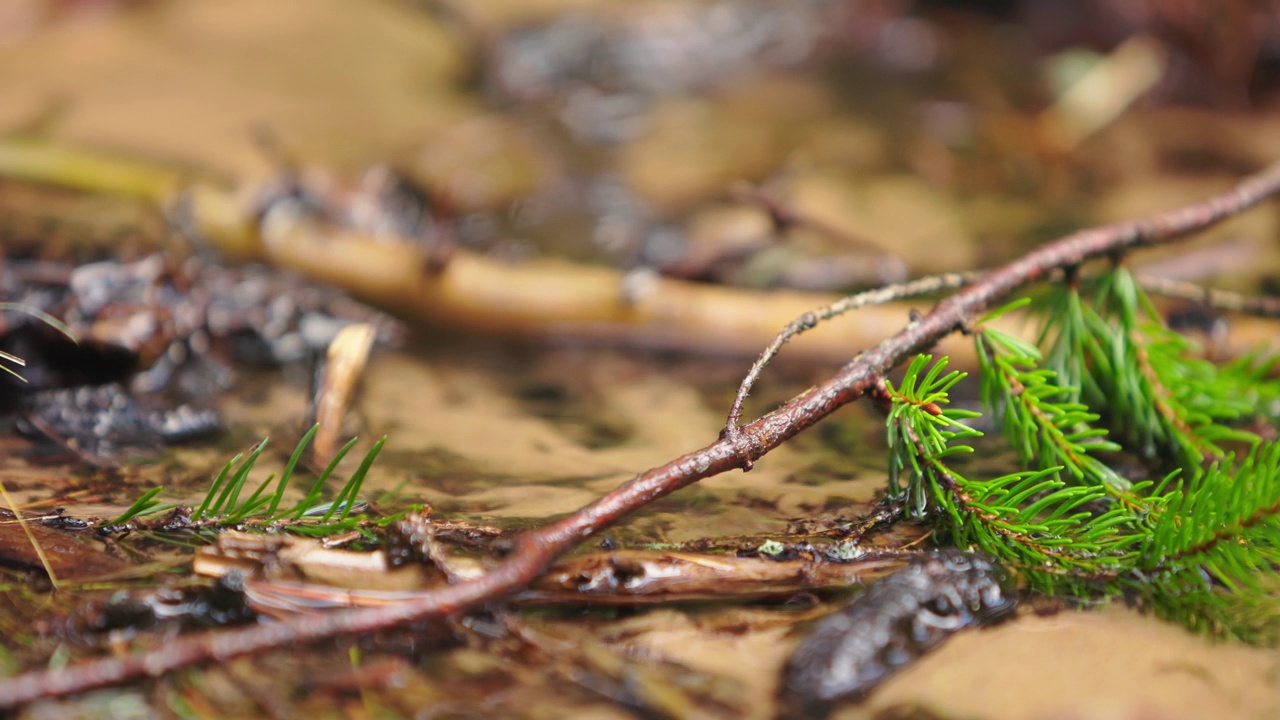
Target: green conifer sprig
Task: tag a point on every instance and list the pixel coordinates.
(1031, 520)
(1213, 397)
(1202, 546)
(1110, 365)
(1045, 425)
(1160, 399)
(920, 428)
(1226, 522)
(225, 505)
(1210, 560)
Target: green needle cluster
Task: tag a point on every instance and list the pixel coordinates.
(1107, 378)
(225, 504)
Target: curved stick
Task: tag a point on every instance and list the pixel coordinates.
(810, 320)
(537, 548)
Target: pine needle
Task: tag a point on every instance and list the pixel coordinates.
(17, 513)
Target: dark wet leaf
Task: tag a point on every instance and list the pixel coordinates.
(71, 556)
(893, 624)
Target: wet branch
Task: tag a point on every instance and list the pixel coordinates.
(810, 320)
(536, 549)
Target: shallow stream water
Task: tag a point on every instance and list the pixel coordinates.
(928, 151)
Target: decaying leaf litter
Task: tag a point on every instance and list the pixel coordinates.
(545, 464)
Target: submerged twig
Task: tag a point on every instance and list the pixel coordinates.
(539, 297)
(535, 550)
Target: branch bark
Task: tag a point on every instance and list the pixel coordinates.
(536, 549)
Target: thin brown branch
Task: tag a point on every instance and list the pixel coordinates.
(1268, 307)
(536, 549)
(810, 320)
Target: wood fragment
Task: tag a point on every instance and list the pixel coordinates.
(345, 361)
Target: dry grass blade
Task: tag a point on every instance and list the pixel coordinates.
(35, 544)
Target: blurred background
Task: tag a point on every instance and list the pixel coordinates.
(674, 136)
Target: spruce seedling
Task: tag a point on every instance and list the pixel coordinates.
(222, 505)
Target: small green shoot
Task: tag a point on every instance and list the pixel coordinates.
(230, 495)
(313, 495)
(223, 506)
(145, 505)
(288, 469)
(346, 498)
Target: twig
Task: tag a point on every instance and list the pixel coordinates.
(536, 549)
(1268, 307)
(810, 320)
